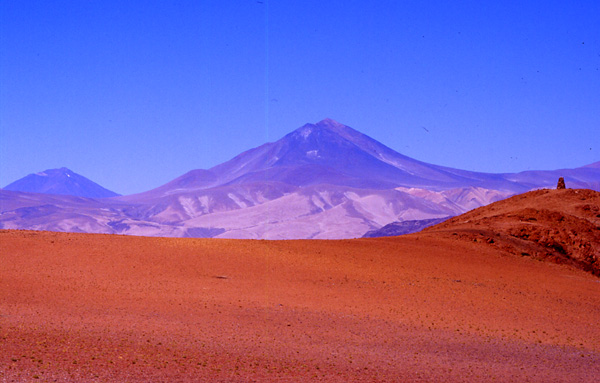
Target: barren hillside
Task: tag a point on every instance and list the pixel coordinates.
(562, 226)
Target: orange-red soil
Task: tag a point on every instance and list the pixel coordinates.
(561, 226)
(418, 308)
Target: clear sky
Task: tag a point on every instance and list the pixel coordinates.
(133, 94)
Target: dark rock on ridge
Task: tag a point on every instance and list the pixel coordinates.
(404, 227)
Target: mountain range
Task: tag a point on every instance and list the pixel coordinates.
(323, 180)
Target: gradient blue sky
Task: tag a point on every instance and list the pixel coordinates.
(133, 94)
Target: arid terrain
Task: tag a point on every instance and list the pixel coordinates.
(562, 226)
(459, 302)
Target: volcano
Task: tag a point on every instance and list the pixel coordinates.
(332, 153)
(324, 180)
(61, 181)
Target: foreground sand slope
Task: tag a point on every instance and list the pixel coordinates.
(423, 307)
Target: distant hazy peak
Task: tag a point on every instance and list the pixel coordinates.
(326, 123)
(60, 181)
(357, 138)
(594, 165)
(49, 172)
(330, 125)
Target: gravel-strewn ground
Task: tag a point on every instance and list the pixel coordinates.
(424, 307)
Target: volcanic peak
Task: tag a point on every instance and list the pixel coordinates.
(60, 181)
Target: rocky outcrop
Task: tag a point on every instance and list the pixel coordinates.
(403, 227)
(561, 226)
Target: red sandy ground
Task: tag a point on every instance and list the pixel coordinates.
(420, 308)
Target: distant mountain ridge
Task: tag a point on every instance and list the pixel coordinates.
(332, 153)
(61, 181)
(323, 180)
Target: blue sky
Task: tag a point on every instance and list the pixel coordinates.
(133, 94)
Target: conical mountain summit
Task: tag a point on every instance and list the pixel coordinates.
(61, 181)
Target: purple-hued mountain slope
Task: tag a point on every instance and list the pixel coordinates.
(323, 180)
(331, 153)
(60, 181)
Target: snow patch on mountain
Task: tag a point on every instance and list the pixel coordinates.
(305, 132)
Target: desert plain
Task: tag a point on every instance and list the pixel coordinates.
(458, 303)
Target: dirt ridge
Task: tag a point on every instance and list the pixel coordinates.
(561, 226)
